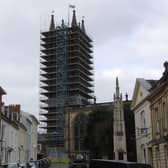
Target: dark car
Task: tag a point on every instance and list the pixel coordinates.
(78, 164)
(10, 165)
(44, 163)
(100, 163)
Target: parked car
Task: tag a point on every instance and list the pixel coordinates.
(22, 165)
(101, 163)
(78, 164)
(10, 165)
(44, 163)
(33, 164)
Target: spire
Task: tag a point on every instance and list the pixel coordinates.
(126, 96)
(79, 25)
(74, 23)
(117, 88)
(83, 25)
(63, 24)
(52, 23)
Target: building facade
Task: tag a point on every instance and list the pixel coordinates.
(2, 92)
(30, 123)
(66, 76)
(9, 140)
(76, 123)
(159, 117)
(76, 119)
(141, 107)
(22, 142)
(18, 140)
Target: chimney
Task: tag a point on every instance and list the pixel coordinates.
(2, 92)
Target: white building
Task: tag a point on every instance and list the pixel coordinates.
(141, 107)
(31, 123)
(9, 134)
(18, 135)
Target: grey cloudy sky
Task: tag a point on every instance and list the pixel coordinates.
(130, 40)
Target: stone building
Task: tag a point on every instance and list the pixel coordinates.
(159, 117)
(66, 77)
(75, 127)
(119, 133)
(141, 107)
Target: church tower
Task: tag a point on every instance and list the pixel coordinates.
(119, 135)
(66, 76)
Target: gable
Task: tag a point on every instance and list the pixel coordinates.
(140, 92)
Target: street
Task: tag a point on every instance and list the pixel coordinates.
(59, 165)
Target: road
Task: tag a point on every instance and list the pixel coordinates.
(59, 165)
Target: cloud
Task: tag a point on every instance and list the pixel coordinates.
(130, 40)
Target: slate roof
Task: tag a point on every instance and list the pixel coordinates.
(2, 91)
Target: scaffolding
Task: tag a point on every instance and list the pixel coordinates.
(66, 77)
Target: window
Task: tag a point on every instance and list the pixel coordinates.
(141, 94)
(157, 157)
(143, 120)
(165, 114)
(143, 123)
(144, 153)
(157, 119)
(166, 156)
(120, 156)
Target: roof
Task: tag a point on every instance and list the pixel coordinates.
(147, 84)
(2, 91)
(152, 82)
(161, 83)
(30, 116)
(35, 118)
